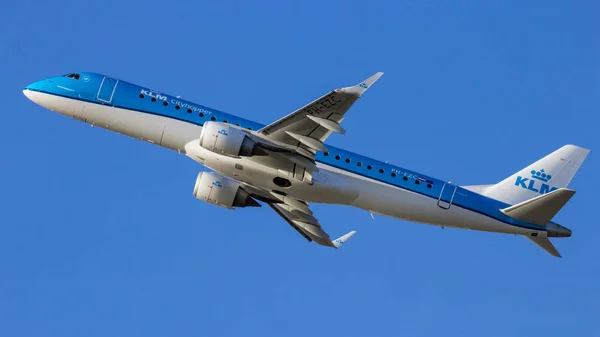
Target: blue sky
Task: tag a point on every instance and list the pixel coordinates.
(100, 234)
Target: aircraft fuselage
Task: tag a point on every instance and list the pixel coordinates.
(343, 178)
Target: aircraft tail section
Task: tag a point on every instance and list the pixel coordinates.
(540, 210)
(548, 174)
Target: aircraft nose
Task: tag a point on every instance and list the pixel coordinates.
(27, 93)
(37, 86)
(33, 90)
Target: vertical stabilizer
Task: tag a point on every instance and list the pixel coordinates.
(545, 175)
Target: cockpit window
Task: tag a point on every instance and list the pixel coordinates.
(73, 75)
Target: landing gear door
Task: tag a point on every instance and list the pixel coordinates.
(107, 89)
(446, 196)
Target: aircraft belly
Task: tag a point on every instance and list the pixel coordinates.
(414, 207)
(159, 130)
(388, 200)
(64, 106)
(135, 124)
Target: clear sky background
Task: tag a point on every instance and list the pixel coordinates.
(100, 234)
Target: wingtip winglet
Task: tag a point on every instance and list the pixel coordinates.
(369, 81)
(337, 243)
(360, 88)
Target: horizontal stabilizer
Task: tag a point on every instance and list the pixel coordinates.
(545, 244)
(342, 239)
(540, 210)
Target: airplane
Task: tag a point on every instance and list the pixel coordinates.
(287, 166)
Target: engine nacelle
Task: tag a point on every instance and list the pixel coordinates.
(223, 139)
(221, 191)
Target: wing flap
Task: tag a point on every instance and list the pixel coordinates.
(307, 225)
(295, 203)
(316, 233)
(290, 222)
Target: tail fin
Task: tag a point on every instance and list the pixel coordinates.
(545, 175)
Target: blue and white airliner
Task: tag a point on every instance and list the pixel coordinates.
(287, 166)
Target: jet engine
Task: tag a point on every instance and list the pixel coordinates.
(221, 191)
(223, 139)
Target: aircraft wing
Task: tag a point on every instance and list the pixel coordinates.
(304, 222)
(308, 127)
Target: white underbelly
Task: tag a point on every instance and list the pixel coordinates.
(163, 131)
(388, 200)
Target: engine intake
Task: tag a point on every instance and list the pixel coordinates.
(218, 190)
(226, 140)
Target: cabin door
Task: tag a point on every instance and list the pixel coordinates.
(446, 196)
(107, 89)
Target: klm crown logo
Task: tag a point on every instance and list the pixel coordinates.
(540, 175)
(223, 132)
(363, 85)
(537, 183)
(217, 183)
